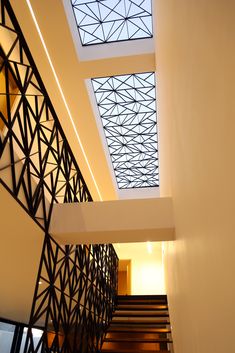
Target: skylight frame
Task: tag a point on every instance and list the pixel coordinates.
(127, 21)
(144, 145)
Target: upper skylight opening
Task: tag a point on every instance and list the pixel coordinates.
(103, 21)
(128, 113)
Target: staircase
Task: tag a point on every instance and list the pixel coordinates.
(140, 324)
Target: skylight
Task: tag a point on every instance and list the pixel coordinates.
(128, 113)
(102, 21)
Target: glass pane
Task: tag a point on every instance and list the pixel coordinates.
(127, 107)
(37, 334)
(6, 337)
(112, 20)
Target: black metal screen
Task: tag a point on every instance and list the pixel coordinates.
(36, 162)
(74, 298)
(76, 285)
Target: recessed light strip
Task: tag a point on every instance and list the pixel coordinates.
(62, 95)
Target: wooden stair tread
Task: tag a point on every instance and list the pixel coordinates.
(140, 314)
(141, 296)
(141, 307)
(134, 346)
(137, 335)
(107, 350)
(136, 339)
(138, 330)
(140, 322)
(141, 302)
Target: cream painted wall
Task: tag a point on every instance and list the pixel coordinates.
(196, 70)
(147, 273)
(21, 242)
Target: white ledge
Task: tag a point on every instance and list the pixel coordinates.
(113, 221)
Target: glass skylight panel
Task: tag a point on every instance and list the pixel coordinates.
(127, 107)
(102, 21)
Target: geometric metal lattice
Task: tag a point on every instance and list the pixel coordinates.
(73, 302)
(102, 21)
(127, 106)
(36, 162)
(74, 298)
(76, 285)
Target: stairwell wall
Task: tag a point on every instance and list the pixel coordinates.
(195, 65)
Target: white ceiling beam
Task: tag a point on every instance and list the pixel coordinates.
(113, 221)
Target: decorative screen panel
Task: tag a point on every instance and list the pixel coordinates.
(128, 113)
(74, 298)
(36, 162)
(76, 285)
(102, 21)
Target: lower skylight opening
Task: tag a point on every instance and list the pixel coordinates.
(127, 107)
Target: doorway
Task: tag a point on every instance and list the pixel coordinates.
(124, 277)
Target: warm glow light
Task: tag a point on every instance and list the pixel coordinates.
(145, 271)
(149, 247)
(37, 332)
(62, 95)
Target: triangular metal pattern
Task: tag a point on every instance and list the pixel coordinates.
(71, 290)
(30, 131)
(127, 107)
(112, 20)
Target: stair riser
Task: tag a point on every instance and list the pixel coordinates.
(133, 330)
(133, 346)
(142, 297)
(134, 335)
(137, 351)
(141, 307)
(140, 314)
(136, 321)
(137, 302)
(138, 340)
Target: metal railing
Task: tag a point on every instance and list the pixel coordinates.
(76, 285)
(36, 162)
(74, 297)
